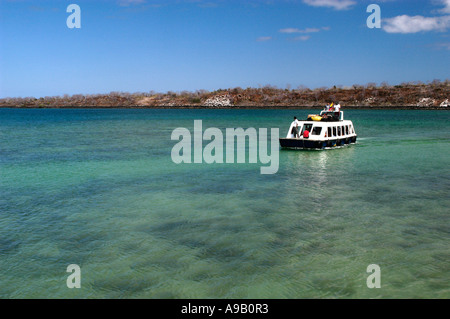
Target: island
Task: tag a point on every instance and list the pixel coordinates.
(413, 95)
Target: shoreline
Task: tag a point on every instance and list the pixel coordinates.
(252, 107)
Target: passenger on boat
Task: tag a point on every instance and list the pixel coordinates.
(295, 128)
(337, 110)
(306, 133)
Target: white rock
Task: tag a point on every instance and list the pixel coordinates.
(369, 100)
(426, 102)
(219, 100)
(446, 103)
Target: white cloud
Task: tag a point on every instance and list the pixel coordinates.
(335, 4)
(302, 38)
(306, 32)
(126, 3)
(290, 30)
(446, 3)
(310, 30)
(263, 39)
(415, 24)
(295, 30)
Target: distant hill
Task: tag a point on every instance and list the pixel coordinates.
(433, 95)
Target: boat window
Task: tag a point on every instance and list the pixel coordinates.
(339, 131)
(343, 130)
(330, 132)
(306, 127)
(334, 131)
(317, 130)
(346, 129)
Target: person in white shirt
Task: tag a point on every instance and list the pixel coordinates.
(337, 110)
(295, 128)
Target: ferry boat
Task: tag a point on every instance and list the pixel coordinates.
(327, 130)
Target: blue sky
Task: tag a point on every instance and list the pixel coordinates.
(144, 45)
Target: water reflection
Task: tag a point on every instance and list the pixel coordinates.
(318, 170)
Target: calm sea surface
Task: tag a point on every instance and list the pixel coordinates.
(98, 188)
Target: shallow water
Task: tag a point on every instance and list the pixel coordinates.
(98, 188)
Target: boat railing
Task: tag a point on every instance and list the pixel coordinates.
(332, 114)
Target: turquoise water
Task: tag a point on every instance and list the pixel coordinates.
(98, 188)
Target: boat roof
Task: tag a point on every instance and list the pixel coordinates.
(330, 119)
(327, 122)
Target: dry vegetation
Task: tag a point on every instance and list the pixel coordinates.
(405, 95)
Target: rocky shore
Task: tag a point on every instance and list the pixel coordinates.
(435, 95)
